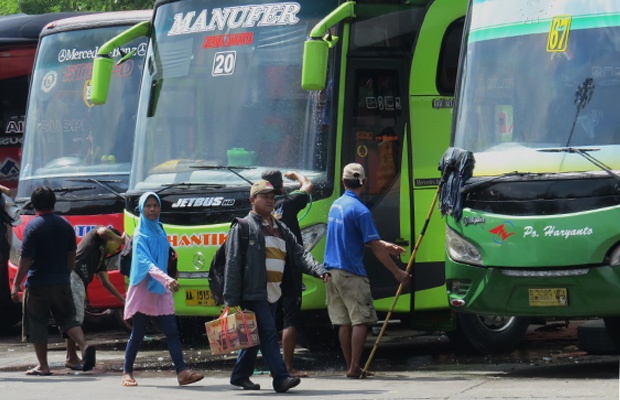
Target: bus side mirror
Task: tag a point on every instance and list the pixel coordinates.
(103, 64)
(102, 75)
(314, 66)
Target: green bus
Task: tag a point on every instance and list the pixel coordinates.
(535, 105)
(222, 100)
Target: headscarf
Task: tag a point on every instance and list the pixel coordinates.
(150, 248)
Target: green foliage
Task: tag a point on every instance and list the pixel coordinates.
(45, 6)
(8, 7)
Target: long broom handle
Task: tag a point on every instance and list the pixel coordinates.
(400, 287)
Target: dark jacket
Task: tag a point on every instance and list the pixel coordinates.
(249, 281)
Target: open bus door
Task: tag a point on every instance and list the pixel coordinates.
(375, 122)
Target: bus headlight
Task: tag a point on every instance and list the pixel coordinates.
(312, 235)
(614, 257)
(461, 250)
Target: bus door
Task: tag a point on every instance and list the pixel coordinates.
(375, 120)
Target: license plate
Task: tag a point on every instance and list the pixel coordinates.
(551, 297)
(199, 298)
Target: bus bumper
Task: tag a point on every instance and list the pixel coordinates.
(575, 292)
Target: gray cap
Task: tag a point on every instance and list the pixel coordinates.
(354, 171)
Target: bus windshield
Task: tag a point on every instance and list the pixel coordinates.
(540, 77)
(67, 138)
(222, 96)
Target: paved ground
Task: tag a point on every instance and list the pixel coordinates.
(460, 385)
(409, 365)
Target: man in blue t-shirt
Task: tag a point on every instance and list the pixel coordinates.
(47, 257)
(350, 228)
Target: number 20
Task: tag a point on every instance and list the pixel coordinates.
(224, 63)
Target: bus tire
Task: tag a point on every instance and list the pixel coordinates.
(318, 338)
(191, 330)
(316, 332)
(118, 315)
(10, 313)
(612, 324)
(488, 334)
(597, 336)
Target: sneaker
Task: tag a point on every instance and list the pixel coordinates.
(246, 384)
(286, 384)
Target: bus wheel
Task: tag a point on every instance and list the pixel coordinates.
(10, 313)
(316, 332)
(318, 338)
(489, 333)
(124, 324)
(612, 324)
(191, 329)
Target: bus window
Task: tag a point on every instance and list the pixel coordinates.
(449, 59)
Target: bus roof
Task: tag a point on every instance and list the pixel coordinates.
(25, 28)
(98, 19)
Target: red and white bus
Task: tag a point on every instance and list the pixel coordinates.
(80, 150)
(19, 35)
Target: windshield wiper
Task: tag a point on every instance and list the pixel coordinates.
(103, 183)
(167, 186)
(230, 168)
(470, 187)
(65, 189)
(583, 152)
(61, 189)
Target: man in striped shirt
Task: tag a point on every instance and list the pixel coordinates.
(253, 281)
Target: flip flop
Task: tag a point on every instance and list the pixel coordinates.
(75, 367)
(89, 358)
(299, 374)
(38, 372)
(361, 375)
(128, 380)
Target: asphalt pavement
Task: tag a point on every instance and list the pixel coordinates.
(437, 374)
(403, 385)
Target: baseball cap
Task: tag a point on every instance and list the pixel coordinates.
(274, 177)
(261, 187)
(354, 171)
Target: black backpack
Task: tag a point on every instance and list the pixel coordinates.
(124, 259)
(218, 264)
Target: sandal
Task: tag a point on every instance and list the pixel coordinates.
(37, 372)
(298, 374)
(90, 358)
(128, 380)
(189, 378)
(75, 367)
(361, 375)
